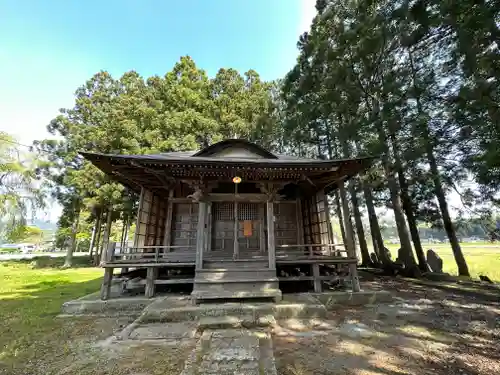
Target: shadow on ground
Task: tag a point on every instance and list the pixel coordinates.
(45, 261)
(431, 328)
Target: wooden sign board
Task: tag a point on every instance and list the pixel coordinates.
(247, 228)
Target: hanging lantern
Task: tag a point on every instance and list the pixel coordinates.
(236, 180)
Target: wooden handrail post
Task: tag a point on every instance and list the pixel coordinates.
(110, 251)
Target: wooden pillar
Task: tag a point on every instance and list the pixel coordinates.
(331, 237)
(106, 283)
(351, 251)
(262, 234)
(317, 282)
(208, 233)
(167, 239)
(235, 230)
(270, 235)
(200, 234)
(151, 273)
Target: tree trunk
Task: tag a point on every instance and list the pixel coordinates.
(122, 237)
(107, 232)
(347, 221)
(338, 211)
(404, 236)
(408, 206)
(378, 242)
(463, 270)
(365, 255)
(127, 230)
(94, 234)
(74, 230)
(97, 254)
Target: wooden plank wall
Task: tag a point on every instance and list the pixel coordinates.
(151, 224)
(286, 231)
(156, 221)
(315, 220)
(143, 216)
(184, 224)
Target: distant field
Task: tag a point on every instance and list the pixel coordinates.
(483, 258)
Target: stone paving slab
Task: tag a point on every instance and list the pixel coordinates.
(164, 331)
(232, 352)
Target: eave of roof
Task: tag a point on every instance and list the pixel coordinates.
(207, 161)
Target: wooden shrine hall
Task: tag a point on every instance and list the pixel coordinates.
(233, 217)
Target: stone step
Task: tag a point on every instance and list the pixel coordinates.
(210, 294)
(161, 311)
(244, 321)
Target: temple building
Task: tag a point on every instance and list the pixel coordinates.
(231, 219)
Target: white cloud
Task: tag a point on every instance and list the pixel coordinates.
(307, 13)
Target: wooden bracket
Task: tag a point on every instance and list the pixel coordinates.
(166, 181)
(200, 187)
(271, 189)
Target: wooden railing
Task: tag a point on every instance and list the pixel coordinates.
(306, 251)
(153, 254)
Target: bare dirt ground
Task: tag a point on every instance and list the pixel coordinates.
(81, 345)
(430, 328)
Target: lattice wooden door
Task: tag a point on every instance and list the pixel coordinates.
(249, 222)
(223, 227)
(249, 228)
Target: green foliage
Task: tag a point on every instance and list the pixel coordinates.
(183, 110)
(24, 233)
(19, 193)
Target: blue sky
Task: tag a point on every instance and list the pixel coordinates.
(49, 48)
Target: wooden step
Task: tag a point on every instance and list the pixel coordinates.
(237, 280)
(227, 273)
(239, 263)
(236, 286)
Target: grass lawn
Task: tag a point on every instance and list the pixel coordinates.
(34, 341)
(30, 299)
(482, 258)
